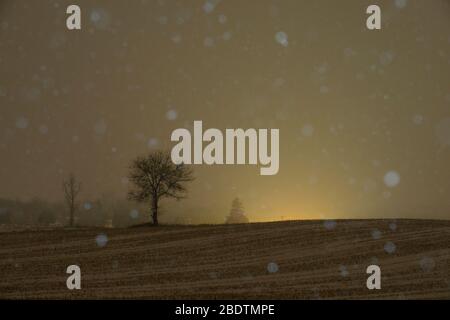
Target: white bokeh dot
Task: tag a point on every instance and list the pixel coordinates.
(171, 114)
(43, 129)
(400, 3)
(272, 267)
(226, 35)
(100, 127)
(87, 206)
(443, 131)
(418, 119)
(324, 89)
(390, 247)
(208, 42)
(282, 38)
(307, 130)
(393, 226)
(222, 18)
(101, 240)
(391, 179)
(210, 5)
(134, 214)
(152, 143)
(427, 264)
(99, 18)
(329, 224)
(343, 271)
(386, 194)
(22, 123)
(376, 234)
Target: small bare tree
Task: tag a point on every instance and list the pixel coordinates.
(71, 188)
(154, 177)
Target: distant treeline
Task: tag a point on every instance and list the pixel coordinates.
(105, 211)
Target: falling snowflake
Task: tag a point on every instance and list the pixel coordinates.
(272, 267)
(208, 42)
(134, 214)
(22, 123)
(282, 38)
(386, 194)
(163, 20)
(393, 226)
(99, 18)
(386, 58)
(391, 179)
(324, 89)
(418, 119)
(176, 38)
(390, 247)
(101, 240)
(210, 5)
(100, 127)
(171, 115)
(32, 94)
(307, 130)
(443, 131)
(322, 69)
(222, 19)
(43, 129)
(349, 52)
(369, 186)
(343, 270)
(376, 234)
(3, 92)
(226, 35)
(401, 3)
(87, 206)
(152, 143)
(95, 16)
(427, 264)
(329, 224)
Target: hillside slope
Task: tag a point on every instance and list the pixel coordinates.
(290, 260)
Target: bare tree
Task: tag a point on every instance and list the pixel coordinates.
(71, 188)
(155, 176)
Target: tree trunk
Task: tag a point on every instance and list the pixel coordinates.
(155, 211)
(72, 209)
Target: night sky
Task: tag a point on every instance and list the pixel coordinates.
(364, 116)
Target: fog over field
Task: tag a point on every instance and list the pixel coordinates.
(363, 115)
(212, 149)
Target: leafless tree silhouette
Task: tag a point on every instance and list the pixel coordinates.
(71, 188)
(154, 177)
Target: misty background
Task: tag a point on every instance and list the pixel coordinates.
(364, 116)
